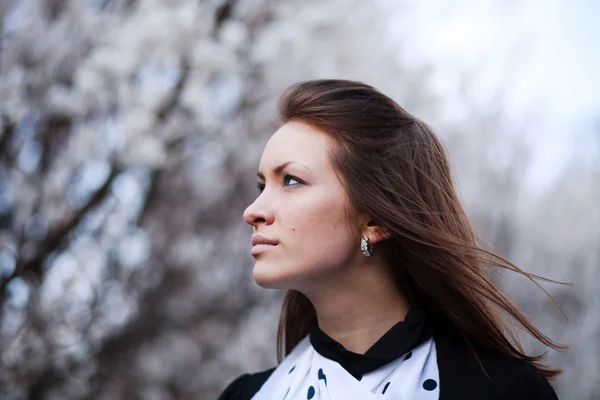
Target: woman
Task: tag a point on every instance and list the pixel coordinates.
(387, 289)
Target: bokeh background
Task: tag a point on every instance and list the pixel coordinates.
(130, 135)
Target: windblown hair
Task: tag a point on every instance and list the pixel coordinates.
(396, 171)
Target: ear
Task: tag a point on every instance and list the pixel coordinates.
(375, 233)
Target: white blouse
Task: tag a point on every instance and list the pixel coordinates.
(307, 375)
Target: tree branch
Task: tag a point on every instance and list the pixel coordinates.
(31, 268)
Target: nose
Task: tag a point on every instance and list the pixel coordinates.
(258, 213)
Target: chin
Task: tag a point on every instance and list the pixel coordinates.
(270, 278)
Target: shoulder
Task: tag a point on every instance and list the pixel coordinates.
(493, 376)
(245, 386)
(528, 384)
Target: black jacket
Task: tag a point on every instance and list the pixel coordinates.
(461, 376)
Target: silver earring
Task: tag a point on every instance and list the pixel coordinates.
(366, 248)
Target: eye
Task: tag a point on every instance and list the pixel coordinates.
(288, 178)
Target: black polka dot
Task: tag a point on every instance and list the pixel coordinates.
(408, 355)
(429, 384)
(321, 375)
(311, 393)
(286, 393)
(292, 369)
(385, 388)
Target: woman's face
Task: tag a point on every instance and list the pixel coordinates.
(301, 207)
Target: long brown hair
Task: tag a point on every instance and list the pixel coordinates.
(396, 171)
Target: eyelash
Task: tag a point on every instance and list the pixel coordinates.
(286, 177)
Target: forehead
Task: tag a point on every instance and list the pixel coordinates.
(299, 142)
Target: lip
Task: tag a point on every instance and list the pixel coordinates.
(261, 248)
(257, 238)
(261, 244)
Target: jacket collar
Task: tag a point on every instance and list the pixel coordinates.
(401, 338)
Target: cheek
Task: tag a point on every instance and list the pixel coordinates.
(315, 240)
(319, 237)
(312, 221)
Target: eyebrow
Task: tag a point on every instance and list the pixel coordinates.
(277, 170)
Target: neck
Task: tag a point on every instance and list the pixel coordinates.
(359, 306)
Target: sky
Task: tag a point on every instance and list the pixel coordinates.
(543, 54)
